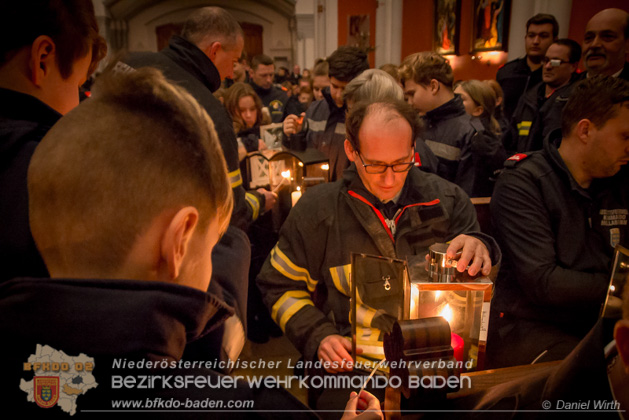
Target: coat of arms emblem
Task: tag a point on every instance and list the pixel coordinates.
(46, 390)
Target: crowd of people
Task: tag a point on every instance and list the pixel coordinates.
(126, 227)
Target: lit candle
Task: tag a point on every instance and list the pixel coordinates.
(285, 177)
(295, 196)
(455, 340)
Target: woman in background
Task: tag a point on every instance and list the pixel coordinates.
(488, 152)
(479, 100)
(245, 108)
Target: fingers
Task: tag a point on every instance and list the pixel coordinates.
(333, 352)
(270, 198)
(474, 254)
(367, 403)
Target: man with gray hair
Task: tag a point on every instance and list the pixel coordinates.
(211, 42)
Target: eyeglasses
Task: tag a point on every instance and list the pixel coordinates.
(554, 62)
(378, 168)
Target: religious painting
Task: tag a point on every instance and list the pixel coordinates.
(358, 32)
(446, 34)
(491, 25)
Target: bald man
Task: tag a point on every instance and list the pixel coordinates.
(606, 43)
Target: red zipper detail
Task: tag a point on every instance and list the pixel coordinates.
(380, 216)
(430, 203)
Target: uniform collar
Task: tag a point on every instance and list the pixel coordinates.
(453, 108)
(110, 317)
(194, 61)
(20, 106)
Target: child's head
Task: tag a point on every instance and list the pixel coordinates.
(479, 101)
(131, 184)
(244, 106)
(305, 96)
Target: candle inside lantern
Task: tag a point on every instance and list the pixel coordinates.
(285, 177)
(455, 340)
(295, 196)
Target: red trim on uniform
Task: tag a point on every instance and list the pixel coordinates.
(380, 216)
(518, 157)
(418, 160)
(430, 203)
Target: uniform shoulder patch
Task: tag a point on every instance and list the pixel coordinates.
(515, 159)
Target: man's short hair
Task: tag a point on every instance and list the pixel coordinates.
(575, 49)
(394, 109)
(597, 99)
(373, 85)
(422, 67)
(212, 24)
(138, 147)
(261, 59)
(544, 18)
(346, 63)
(70, 24)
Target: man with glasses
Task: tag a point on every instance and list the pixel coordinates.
(384, 205)
(539, 110)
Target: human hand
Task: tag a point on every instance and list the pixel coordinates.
(270, 198)
(365, 407)
(293, 124)
(472, 250)
(334, 349)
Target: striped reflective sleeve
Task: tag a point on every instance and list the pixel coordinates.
(316, 125)
(370, 341)
(340, 277)
(254, 203)
(340, 129)
(288, 305)
(235, 179)
(364, 315)
(524, 128)
(284, 265)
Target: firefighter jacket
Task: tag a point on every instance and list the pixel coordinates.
(274, 98)
(558, 239)
(515, 79)
(305, 279)
(186, 65)
(461, 144)
(535, 117)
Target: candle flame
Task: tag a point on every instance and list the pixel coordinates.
(446, 312)
(300, 163)
(298, 188)
(286, 174)
(325, 167)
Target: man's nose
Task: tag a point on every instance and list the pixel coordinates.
(388, 177)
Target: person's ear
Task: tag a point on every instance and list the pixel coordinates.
(213, 49)
(177, 238)
(621, 335)
(434, 86)
(349, 150)
(478, 111)
(583, 130)
(43, 58)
